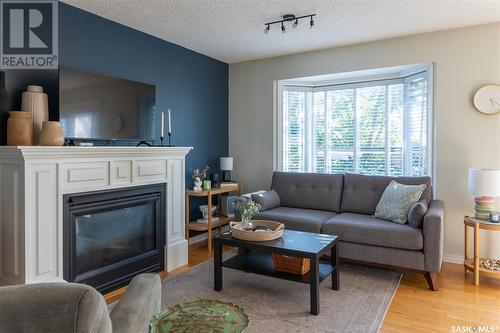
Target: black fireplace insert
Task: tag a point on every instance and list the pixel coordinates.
(111, 236)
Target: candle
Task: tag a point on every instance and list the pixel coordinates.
(162, 123)
(169, 122)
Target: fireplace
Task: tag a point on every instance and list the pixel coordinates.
(110, 236)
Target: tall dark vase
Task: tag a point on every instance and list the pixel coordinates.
(4, 109)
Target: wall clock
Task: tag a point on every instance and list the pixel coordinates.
(487, 99)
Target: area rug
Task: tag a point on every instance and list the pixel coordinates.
(275, 305)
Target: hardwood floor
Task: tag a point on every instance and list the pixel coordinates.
(458, 302)
(415, 308)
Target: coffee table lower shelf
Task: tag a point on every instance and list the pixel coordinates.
(262, 264)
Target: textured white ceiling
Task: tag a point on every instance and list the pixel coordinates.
(233, 30)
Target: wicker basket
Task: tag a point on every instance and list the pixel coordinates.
(258, 236)
(292, 265)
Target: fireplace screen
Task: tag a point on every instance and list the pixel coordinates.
(113, 235)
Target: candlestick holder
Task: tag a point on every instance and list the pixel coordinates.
(170, 140)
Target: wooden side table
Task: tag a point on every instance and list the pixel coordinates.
(474, 264)
(194, 225)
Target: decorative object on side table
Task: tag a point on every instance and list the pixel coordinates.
(227, 205)
(204, 211)
(51, 134)
(20, 129)
(207, 185)
(495, 217)
(198, 177)
(247, 210)
(484, 184)
(203, 315)
(491, 264)
(476, 264)
(226, 165)
(215, 180)
(36, 102)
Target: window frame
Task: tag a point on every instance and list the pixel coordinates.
(280, 85)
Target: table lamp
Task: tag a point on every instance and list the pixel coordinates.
(484, 185)
(226, 165)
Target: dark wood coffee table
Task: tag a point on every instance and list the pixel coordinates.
(256, 257)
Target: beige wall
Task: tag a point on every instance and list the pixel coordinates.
(464, 60)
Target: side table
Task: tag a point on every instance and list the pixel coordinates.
(474, 264)
(222, 220)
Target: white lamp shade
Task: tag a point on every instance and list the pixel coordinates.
(484, 182)
(226, 163)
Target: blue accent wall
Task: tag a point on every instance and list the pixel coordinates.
(192, 85)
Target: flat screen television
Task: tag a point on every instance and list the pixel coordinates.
(100, 107)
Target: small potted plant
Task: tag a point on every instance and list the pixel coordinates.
(198, 177)
(247, 210)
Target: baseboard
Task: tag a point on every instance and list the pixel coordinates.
(176, 255)
(453, 259)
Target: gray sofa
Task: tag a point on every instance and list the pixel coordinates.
(76, 308)
(344, 205)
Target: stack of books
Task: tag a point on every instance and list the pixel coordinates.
(226, 184)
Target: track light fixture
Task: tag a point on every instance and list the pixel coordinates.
(290, 18)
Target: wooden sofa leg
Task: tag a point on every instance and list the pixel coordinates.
(431, 278)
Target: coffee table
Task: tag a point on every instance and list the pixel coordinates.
(256, 257)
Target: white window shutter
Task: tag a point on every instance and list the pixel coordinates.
(375, 128)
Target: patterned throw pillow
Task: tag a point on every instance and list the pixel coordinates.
(397, 200)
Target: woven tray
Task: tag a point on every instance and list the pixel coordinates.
(258, 236)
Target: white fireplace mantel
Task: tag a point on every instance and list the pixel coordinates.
(34, 179)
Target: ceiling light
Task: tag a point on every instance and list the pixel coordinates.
(289, 18)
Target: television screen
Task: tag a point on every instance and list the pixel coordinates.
(93, 106)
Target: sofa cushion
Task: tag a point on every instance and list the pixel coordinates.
(309, 190)
(362, 193)
(366, 229)
(267, 200)
(397, 200)
(417, 213)
(297, 218)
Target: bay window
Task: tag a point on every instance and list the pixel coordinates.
(375, 127)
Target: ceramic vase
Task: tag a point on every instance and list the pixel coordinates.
(51, 134)
(246, 222)
(20, 129)
(36, 102)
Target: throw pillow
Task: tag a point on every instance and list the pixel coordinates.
(416, 214)
(267, 200)
(397, 200)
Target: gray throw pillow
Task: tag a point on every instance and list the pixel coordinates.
(416, 214)
(267, 200)
(397, 200)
